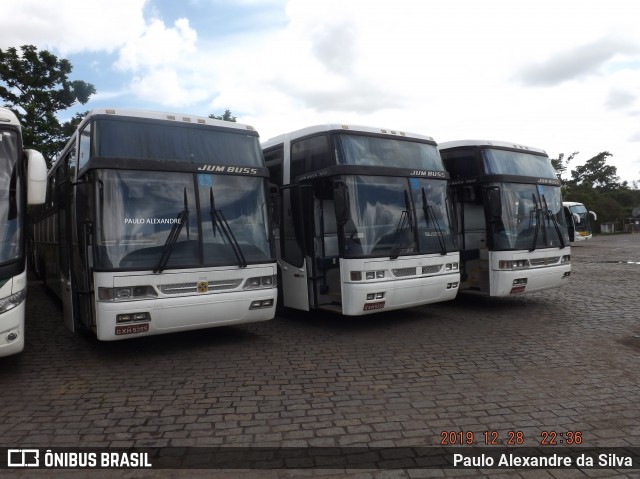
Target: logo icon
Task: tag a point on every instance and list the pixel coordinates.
(203, 286)
(23, 458)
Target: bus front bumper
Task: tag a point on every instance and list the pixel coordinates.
(184, 313)
(398, 294)
(538, 279)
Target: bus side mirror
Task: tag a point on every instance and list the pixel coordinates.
(576, 218)
(595, 216)
(494, 202)
(274, 194)
(341, 202)
(37, 177)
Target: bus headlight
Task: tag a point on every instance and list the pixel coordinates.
(12, 301)
(128, 293)
(514, 264)
(451, 266)
(566, 258)
(261, 282)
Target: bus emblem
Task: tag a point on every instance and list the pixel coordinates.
(203, 286)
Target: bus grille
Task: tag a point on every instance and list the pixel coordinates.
(182, 288)
(544, 261)
(435, 268)
(401, 272)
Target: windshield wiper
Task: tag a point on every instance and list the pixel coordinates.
(535, 233)
(555, 223)
(174, 234)
(406, 219)
(220, 222)
(426, 209)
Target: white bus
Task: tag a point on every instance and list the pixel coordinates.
(511, 227)
(22, 181)
(364, 222)
(157, 223)
(578, 221)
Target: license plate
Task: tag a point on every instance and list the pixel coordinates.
(373, 306)
(132, 329)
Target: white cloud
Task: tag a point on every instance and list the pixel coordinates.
(158, 46)
(165, 64)
(620, 99)
(576, 63)
(164, 86)
(447, 68)
(71, 26)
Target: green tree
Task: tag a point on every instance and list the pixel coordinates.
(597, 185)
(35, 85)
(595, 173)
(561, 165)
(227, 116)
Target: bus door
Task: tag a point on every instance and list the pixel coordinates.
(571, 226)
(293, 265)
(326, 279)
(472, 237)
(64, 272)
(80, 256)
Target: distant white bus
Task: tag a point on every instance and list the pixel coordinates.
(578, 221)
(365, 222)
(23, 177)
(157, 223)
(511, 226)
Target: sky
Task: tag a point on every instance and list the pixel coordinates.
(561, 75)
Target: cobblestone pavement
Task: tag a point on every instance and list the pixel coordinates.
(562, 360)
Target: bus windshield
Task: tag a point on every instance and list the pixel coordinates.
(388, 152)
(581, 211)
(506, 162)
(10, 195)
(137, 211)
(388, 217)
(123, 138)
(530, 217)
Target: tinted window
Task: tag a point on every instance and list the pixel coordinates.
(461, 163)
(505, 162)
(310, 154)
(165, 141)
(390, 152)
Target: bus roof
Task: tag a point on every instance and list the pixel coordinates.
(153, 115)
(8, 117)
(572, 203)
(310, 130)
(157, 115)
(489, 143)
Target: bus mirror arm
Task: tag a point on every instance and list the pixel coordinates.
(595, 216)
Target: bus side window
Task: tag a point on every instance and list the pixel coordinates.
(85, 145)
(273, 159)
(310, 154)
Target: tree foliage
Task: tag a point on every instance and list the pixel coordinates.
(35, 85)
(226, 116)
(597, 185)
